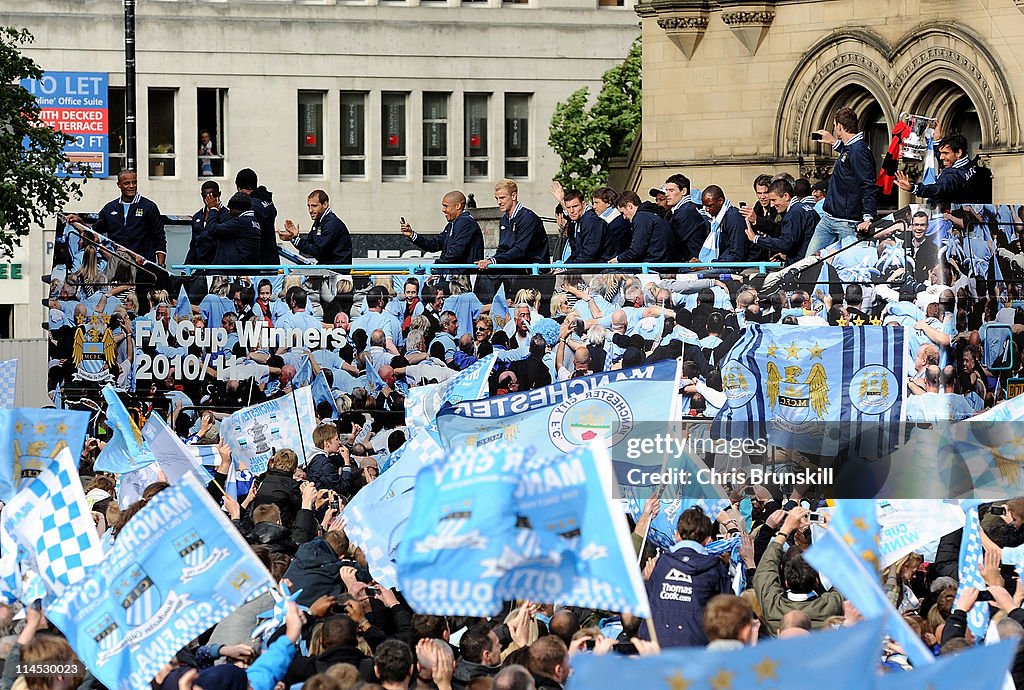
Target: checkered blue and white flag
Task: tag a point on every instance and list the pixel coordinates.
(50, 518)
(8, 382)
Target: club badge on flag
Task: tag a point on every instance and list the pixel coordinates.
(177, 568)
(30, 439)
(494, 524)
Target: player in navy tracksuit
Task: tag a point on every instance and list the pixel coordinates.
(586, 230)
(521, 236)
(953, 186)
(650, 233)
(133, 221)
(798, 225)
(238, 237)
(203, 247)
(851, 201)
(262, 202)
(461, 241)
(689, 229)
(328, 241)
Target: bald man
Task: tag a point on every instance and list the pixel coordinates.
(461, 241)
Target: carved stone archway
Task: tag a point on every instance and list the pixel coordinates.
(901, 77)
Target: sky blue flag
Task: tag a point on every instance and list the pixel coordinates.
(844, 659)
(856, 522)
(183, 308)
(972, 553)
(494, 524)
(834, 559)
(30, 439)
(789, 384)
(466, 307)
(377, 514)
(469, 384)
(50, 519)
(377, 528)
(176, 569)
(322, 393)
(992, 451)
(617, 408)
(127, 451)
(171, 454)
(499, 305)
(303, 373)
(985, 666)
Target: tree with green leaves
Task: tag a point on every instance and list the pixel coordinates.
(586, 138)
(31, 153)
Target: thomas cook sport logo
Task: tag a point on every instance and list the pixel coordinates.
(597, 415)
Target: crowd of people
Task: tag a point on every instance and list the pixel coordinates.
(945, 271)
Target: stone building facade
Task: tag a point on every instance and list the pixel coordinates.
(385, 104)
(733, 89)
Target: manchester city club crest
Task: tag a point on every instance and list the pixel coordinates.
(737, 384)
(599, 414)
(137, 594)
(107, 636)
(797, 397)
(874, 389)
(191, 548)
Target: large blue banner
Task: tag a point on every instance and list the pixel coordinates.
(564, 416)
(817, 390)
(31, 439)
(177, 568)
(495, 524)
(845, 659)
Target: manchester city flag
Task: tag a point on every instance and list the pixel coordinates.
(177, 568)
(127, 451)
(31, 439)
(816, 390)
(607, 407)
(844, 659)
(494, 524)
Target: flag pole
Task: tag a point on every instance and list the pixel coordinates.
(298, 420)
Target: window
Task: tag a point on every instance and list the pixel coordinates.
(611, 3)
(116, 144)
(161, 132)
(517, 129)
(210, 137)
(353, 135)
(476, 135)
(392, 128)
(311, 133)
(435, 135)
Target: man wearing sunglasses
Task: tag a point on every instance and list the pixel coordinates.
(203, 246)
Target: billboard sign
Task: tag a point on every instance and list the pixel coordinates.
(76, 103)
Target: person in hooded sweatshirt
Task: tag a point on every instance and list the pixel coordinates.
(683, 581)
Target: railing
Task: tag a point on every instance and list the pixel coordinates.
(493, 269)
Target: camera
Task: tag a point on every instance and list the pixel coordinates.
(816, 136)
(997, 510)
(816, 518)
(372, 591)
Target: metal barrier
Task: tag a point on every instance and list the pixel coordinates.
(493, 269)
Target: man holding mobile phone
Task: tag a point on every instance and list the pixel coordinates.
(851, 202)
(461, 241)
